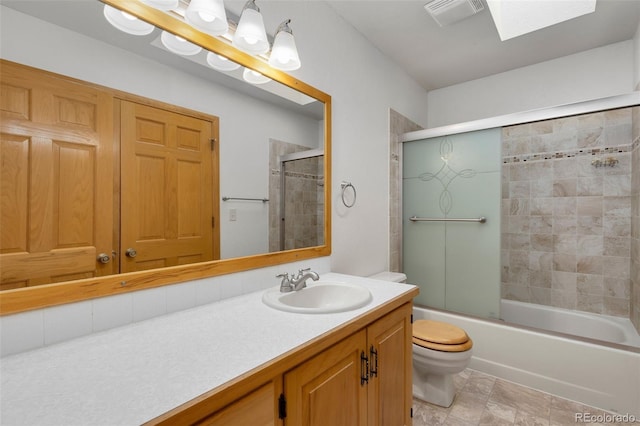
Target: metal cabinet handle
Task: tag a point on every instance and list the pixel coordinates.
(374, 361)
(104, 258)
(131, 252)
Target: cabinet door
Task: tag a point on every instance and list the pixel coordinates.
(389, 343)
(327, 390)
(256, 409)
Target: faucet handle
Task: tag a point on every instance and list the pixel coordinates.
(285, 284)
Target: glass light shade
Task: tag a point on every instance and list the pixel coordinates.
(221, 63)
(126, 22)
(284, 54)
(254, 77)
(250, 35)
(208, 16)
(178, 45)
(162, 4)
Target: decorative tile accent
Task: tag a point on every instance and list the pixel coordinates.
(523, 158)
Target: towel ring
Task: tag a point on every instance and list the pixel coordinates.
(344, 186)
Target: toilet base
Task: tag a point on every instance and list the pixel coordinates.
(437, 389)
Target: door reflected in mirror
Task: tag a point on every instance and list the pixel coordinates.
(247, 119)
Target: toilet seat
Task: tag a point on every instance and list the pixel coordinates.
(440, 336)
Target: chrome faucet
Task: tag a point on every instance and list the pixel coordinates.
(297, 282)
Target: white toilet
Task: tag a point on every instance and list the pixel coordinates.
(440, 351)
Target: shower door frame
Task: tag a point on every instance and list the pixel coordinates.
(613, 102)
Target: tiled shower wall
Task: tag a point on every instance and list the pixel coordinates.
(635, 221)
(398, 124)
(566, 212)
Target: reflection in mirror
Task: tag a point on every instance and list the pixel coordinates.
(297, 187)
(84, 46)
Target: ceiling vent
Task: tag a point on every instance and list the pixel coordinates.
(446, 12)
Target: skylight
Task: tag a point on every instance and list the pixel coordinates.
(514, 18)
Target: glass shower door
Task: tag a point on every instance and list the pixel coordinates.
(455, 263)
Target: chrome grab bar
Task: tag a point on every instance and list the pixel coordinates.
(480, 219)
(264, 200)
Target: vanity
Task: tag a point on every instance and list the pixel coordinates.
(237, 361)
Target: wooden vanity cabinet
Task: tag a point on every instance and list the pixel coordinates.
(256, 409)
(359, 375)
(328, 388)
(390, 393)
(364, 379)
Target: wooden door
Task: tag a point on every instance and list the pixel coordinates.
(390, 387)
(56, 174)
(167, 188)
(326, 390)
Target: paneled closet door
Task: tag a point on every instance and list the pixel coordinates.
(167, 188)
(56, 208)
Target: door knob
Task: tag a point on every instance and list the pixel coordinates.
(104, 258)
(131, 252)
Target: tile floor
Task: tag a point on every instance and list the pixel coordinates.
(486, 400)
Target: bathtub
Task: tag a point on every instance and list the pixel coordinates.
(602, 376)
(591, 326)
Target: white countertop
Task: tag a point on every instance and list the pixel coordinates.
(132, 374)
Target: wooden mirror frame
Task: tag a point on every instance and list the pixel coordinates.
(30, 298)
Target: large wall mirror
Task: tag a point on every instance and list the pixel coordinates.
(268, 180)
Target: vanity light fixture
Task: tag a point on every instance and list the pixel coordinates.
(254, 77)
(127, 22)
(208, 16)
(178, 45)
(250, 35)
(284, 54)
(220, 63)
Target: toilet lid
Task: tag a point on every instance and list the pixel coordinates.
(440, 336)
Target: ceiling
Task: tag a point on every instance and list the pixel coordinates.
(437, 56)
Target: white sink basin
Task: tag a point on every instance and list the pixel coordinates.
(319, 297)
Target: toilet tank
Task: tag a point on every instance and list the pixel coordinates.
(396, 277)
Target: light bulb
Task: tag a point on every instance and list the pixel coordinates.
(126, 22)
(284, 54)
(250, 34)
(221, 63)
(179, 45)
(254, 77)
(208, 16)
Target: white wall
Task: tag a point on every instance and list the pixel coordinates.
(364, 85)
(593, 74)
